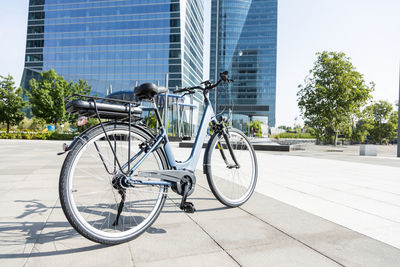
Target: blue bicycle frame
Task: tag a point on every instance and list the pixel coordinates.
(190, 164)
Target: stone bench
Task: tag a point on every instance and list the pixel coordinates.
(368, 150)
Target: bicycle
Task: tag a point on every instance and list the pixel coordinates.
(115, 177)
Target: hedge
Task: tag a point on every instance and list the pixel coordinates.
(293, 136)
(37, 136)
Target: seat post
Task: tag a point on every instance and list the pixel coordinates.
(157, 113)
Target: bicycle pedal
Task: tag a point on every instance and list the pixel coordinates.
(188, 207)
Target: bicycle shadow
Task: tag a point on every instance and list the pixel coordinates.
(29, 233)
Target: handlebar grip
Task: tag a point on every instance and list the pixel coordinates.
(224, 75)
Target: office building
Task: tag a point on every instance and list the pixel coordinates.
(115, 44)
(244, 42)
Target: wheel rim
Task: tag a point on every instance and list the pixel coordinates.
(94, 201)
(233, 185)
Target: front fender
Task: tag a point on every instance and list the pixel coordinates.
(205, 159)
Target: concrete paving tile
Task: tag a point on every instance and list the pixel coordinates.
(14, 179)
(388, 233)
(353, 209)
(355, 250)
(277, 253)
(359, 190)
(220, 259)
(55, 253)
(13, 262)
(59, 231)
(62, 236)
(31, 183)
(19, 233)
(4, 190)
(171, 214)
(12, 171)
(349, 217)
(339, 243)
(22, 221)
(59, 244)
(240, 231)
(25, 211)
(368, 205)
(177, 240)
(15, 255)
(54, 172)
(208, 207)
(33, 194)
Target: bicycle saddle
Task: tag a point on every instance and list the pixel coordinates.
(147, 91)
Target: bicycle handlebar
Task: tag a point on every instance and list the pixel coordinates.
(180, 90)
(187, 89)
(208, 84)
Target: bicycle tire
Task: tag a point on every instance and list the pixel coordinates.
(220, 178)
(80, 170)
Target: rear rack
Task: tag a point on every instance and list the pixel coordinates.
(105, 108)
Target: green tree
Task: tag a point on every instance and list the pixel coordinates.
(254, 128)
(150, 120)
(48, 93)
(361, 124)
(383, 121)
(11, 102)
(80, 87)
(392, 125)
(332, 92)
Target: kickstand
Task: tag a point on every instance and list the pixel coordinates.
(186, 206)
(121, 205)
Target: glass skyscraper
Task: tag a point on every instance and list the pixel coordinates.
(244, 42)
(115, 44)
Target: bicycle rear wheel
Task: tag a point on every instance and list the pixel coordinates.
(89, 196)
(230, 185)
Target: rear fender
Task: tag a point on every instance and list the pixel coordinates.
(82, 137)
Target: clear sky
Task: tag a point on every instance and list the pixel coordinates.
(368, 31)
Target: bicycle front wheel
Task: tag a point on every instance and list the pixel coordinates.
(232, 185)
(91, 195)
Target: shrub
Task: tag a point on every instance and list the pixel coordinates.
(293, 136)
(254, 128)
(37, 124)
(37, 136)
(25, 124)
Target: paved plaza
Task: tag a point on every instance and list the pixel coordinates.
(311, 208)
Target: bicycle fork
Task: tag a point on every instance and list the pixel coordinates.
(221, 150)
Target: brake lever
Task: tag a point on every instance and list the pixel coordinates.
(206, 83)
(191, 92)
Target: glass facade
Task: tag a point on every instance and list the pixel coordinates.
(115, 45)
(244, 32)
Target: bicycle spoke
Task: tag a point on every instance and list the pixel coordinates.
(95, 194)
(231, 184)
